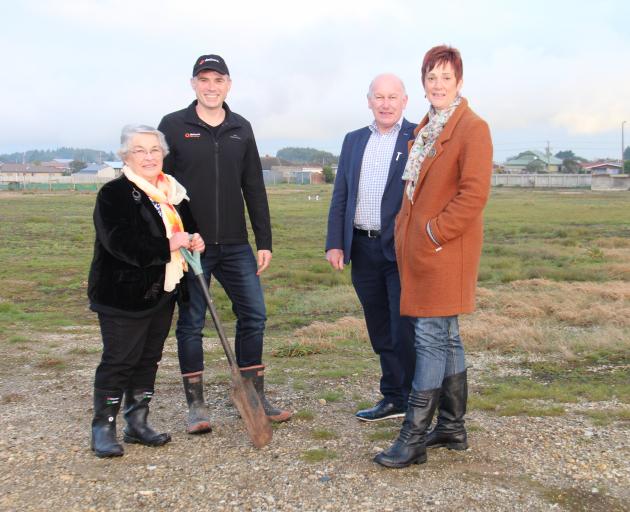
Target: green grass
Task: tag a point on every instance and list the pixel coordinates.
(19, 339)
(555, 383)
(323, 434)
(606, 417)
(331, 396)
(304, 415)
(318, 455)
(46, 242)
(388, 434)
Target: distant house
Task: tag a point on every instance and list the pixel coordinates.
(18, 172)
(117, 166)
(307, 176)
(518, 164)
(98, 171)
(603, 168)
(58, 164)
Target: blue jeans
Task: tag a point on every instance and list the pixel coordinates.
(234, 266)
(439, 351)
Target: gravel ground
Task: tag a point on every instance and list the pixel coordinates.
(514, 463)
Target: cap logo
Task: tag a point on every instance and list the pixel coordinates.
(206, 60)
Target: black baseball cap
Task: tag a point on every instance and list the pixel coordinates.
(211, 62)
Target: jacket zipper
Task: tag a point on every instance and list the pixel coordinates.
(216, 167)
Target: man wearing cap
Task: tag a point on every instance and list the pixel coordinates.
(213, 154)
(366, 198)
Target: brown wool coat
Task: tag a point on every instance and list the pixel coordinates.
(453, 187)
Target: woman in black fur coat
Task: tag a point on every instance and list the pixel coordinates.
(133, 282)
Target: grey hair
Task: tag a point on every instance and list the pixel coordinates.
(371, 88)
(130, 130)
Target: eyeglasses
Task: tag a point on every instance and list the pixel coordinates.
(143, 153)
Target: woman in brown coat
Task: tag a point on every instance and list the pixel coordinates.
(439, 233)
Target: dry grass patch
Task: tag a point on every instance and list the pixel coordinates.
(538, 315)
(323, 337)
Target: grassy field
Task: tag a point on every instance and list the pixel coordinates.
(554, 284)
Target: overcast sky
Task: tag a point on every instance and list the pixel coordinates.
(75, 71)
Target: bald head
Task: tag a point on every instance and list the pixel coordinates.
(387, 99)
(388, 80)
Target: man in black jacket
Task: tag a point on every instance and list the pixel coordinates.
(213, 154)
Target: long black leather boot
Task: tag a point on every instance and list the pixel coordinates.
(257, 375)
(106, 407)
(198, 421)
(410, 447)
(136, 413)
(449, 431)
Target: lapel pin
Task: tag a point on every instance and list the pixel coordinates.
(398, 153)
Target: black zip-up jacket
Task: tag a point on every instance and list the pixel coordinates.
(218, 174)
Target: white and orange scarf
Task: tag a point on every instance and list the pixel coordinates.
(168, 192)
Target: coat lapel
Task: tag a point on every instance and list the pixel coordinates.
(438, 148)
(396, 165)
(357, 159)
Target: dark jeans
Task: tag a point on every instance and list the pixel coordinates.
(377, 284)
(234, 266)
(132, 349)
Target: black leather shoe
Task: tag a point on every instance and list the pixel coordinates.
(381, 411)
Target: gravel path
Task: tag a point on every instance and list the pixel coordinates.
(514, 463)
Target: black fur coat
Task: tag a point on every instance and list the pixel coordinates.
(130, 252)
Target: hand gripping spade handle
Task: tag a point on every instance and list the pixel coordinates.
(243, 394)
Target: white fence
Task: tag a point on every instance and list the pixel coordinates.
(72, 182)
(542, 180)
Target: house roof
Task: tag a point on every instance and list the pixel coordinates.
(91, 169)
(601, 165)
(526, 157)
(28, 168)
(115, 165)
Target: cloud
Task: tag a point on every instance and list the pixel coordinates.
(301, 71)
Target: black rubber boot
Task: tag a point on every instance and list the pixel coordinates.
(449, 431)
(136, 412)
(198, 421)
(257, 375)
(106, 407)
(410, 447)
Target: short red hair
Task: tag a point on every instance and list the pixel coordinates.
(441, 55)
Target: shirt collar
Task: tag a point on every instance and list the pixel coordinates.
(395, 128)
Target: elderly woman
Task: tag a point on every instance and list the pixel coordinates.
(439, 233)
(132, 286)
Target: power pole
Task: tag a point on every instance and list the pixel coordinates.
(548, 156)
(622, 148)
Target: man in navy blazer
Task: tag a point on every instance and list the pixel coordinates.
(366, 198)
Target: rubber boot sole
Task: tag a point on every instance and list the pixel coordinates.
(202, 427)
(107, 455)
(136, 440)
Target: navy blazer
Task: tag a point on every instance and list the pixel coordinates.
(344, 199)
